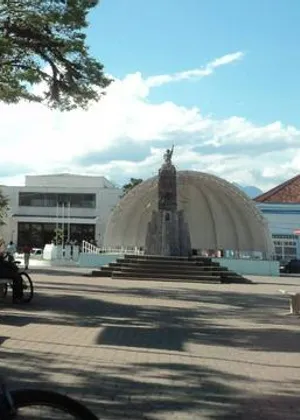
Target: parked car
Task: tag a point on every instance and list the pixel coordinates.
(293, 266)
(282, 265)
(36, 252)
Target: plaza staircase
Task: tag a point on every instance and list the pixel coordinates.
(181, 269)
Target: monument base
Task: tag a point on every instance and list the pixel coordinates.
(168, 234)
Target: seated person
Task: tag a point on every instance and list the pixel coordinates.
(9, 271)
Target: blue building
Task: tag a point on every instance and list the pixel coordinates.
(281, 208)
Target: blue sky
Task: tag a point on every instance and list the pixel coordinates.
(165, 36)
(219, 79)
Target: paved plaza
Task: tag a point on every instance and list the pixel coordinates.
(152, 350)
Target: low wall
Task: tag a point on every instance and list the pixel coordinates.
(57, 252)
(250, 267)
(96, 260)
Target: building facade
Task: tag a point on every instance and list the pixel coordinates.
(80, 206)
(77, 205)
(281, 208)
(284, 224)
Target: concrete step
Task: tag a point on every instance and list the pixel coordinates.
(160, 266)
(235, 279)
(165, 279)
(172, 268)
(142, 274)
(224, 278)
(109, 268)
(155, 271)
(167, 263)
(156, 257)
(101, 273)
(164, 258)
(155, 261)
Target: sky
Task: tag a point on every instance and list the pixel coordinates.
(218, 79)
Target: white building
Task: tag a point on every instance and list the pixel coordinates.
(80, 205)
(281, 208)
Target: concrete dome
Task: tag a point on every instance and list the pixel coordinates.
(219, 215)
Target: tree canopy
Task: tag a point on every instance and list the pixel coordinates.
(131, 184)
(3, 208)
(44, 41)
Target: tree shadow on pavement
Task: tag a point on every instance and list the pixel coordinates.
(259, 307)
(164, 326)
(150, 390)
(138, 325)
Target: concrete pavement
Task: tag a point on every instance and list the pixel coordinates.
(138, 350)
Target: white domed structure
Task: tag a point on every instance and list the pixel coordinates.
(219, 215)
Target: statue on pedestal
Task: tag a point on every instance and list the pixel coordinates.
(167, 233)
(168, 156)
(167, 191)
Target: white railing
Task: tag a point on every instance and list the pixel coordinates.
(88, 248)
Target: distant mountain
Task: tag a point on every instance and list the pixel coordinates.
(250, 190)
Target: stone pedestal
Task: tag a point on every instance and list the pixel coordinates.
(167, 233)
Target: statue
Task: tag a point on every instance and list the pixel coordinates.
(168, 156)
(167, 233)
(167, 190)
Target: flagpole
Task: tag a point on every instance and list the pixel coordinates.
(69, 220)
(63, 224)
(56, 227)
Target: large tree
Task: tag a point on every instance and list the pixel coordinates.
(131, 184)
(45, 41)
(3, 208)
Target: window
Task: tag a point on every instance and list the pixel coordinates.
(82, 200)
(290, 251)
(33, 199)
(290, 237)
(39, 234)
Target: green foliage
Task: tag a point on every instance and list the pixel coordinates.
(3, 208)
(59, 236)
(133, 183)
(45, 41)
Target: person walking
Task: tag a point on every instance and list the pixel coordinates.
(26, 251)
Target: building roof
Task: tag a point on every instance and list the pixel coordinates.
(219, 215)
(68, 180)
(287, 192)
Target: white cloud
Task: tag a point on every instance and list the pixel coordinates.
(227, 59)
(207, 70)
(125, 122)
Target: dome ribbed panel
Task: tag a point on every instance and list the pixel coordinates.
(219, 215)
